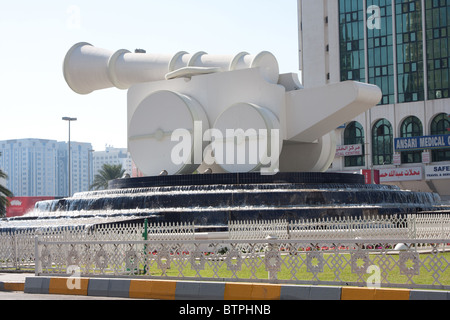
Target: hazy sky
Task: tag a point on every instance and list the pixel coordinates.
(36, 35)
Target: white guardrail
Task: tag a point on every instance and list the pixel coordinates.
(360, 263)
(109, 250)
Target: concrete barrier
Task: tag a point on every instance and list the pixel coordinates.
(114, 288)
(11, 286)
(153, 289)
(429, 295)
(37, 285)
(350, 293)
(191, 290)
(69, 286)
(200, 291)
(251, 291)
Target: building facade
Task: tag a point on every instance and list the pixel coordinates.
(112, 156)
(402, 46)
(39, 168)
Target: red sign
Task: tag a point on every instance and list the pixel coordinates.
(22, 205)
(368, 176)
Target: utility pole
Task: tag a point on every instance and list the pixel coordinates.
(68, 119)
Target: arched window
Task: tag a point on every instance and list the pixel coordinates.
(354, 134)
(441, 125)
(382, 142)
(411, 127)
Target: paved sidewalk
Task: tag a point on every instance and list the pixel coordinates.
(13, 281)
(14, 277)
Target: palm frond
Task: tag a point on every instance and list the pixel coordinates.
(107, 173)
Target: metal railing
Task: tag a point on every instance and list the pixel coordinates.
(418, 264)
(17, 247)
(414, 226)
(304, 252)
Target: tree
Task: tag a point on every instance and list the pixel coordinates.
(4, 194)
(107, 172)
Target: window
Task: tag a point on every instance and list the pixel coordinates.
(438, 53)
(380, 52)
(354, 134)
(409, 51)
(382, 142)
(351, 31)
(441, 125)
(411, 127)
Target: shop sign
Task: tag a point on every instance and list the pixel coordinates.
(397, 159)
(426, 157)
(349, 150)
(422, 143)
(437, 172)
(401, 174)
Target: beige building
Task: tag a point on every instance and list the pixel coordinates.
(112, 156)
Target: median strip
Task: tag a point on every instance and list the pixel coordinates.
(191, 290)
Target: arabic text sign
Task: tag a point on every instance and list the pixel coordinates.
(349, 150)
(437, 172)
(421, 143)
(401, 174)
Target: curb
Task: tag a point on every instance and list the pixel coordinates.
(12, 286)
(187, 290)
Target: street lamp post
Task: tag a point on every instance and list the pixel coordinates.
(70, 183)
(89, 167)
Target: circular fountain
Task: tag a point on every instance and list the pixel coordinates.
(213, 200)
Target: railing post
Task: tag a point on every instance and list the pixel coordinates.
(16, 252)
(270, 264)
(145, 236)
(411, 225)
(37, 257)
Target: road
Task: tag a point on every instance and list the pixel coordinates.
(20, 296)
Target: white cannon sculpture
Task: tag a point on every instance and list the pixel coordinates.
(219, 113)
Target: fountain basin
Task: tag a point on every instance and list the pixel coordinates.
(212, 200)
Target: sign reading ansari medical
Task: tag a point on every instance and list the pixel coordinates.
(421, 143)
(220, 113)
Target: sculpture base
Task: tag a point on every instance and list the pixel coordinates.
(237, 179)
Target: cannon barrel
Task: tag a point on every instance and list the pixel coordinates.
(87, 68)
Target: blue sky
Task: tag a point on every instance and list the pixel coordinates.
(35, 36)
